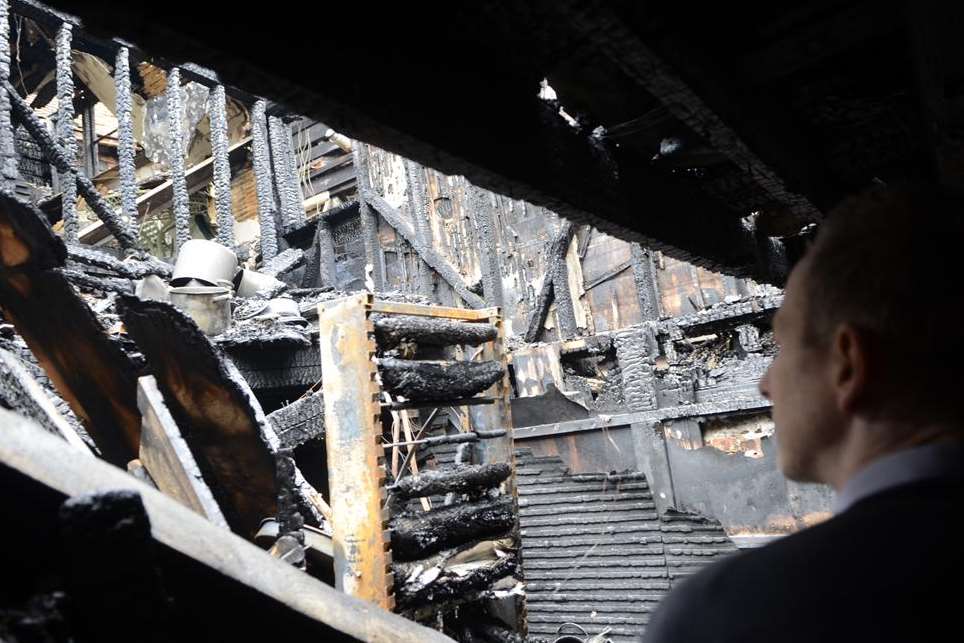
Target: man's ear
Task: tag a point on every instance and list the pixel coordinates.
(849, 366)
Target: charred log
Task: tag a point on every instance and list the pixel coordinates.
(461, 480)
(101, 284)
(129, 269)
(392, 330)
(416, 380)
(418, 535)
(446, 585)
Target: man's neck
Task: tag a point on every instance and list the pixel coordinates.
(866, 442)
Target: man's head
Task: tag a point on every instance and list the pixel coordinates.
(869, 332)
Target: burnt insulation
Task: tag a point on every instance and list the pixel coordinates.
(222, 166)
(125, 139)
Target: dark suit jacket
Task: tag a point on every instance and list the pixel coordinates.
(890, 568)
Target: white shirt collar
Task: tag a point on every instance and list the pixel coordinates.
(934, 460)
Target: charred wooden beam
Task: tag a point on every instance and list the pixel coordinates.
(391, 330)
(222, 166)
(418, 380)
(65, 131)
(644, 276)
(927, 52)
(90, 372)
(130, 269)
(8, 151)
(282, 264)
(418, 204)
(262, 175)
(100, 284)
(483, 214)
(422, 534)
(175, 153)
(126, 150)
(61, 160)
(464, 479)
(285, 174)
(431, 257)
(210, 401)
(368, 218)
(448, 585)
(300, 421)
(555, 256)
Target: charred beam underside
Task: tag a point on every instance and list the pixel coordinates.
(555, 261)
(97, 283)
(129, 269)
(218, 116)
(91, 373)
(464, 479)
(392, 330)
(262, 175)
(417, 380)
(126, 150)
(450, 585)
(300, 421)
(65, 132)
(418, 535)
(213, 409)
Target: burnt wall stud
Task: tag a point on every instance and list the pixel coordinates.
(182, 213)
(644, 275)
(8, 154)
(483, 214)
(262, 175)
(292, 211)
(418, 202)
(65, 132)
(125, 139)
(367, 216)
(222, 166)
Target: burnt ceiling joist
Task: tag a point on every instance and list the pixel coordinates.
(456, 88)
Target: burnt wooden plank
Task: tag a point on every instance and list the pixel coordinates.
(391, 330)
(418, 380)
(462, 479)
(421, 534)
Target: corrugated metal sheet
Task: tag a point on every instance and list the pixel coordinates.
(595, 551)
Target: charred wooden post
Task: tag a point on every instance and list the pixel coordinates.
(65, 131)
(367, 217)
(286, 183)
(556, 252)
(464, 479)
(448, 586)
(558, 270)
(290, 546)
(356, 463)
(325, 244)
(484, 216)
(262, 175)
(391, 330)
(125, 139)
(61, 160)
(644, 275)
(180, 203)
(8, 152)
(222, 166)
(418, 204)
(422, 534)
(418, 380)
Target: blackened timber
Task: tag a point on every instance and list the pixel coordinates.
(292, 212)
(644, 276)
(175, 153)
(100, 284)
(8, 152)
(421, 534)
(440, 381)
(450, 585)
(368, 218)
(90, 372)
(125, 138)
(222, 166)
(60, 159)
(325, 247)
(130, 269)
(391, 330)
(65, 131)
(283, 263)
(213, 408)
(428, 254)
(262, 175)
(483, 214)
(555, 254)
(418, 204)
(463, 479)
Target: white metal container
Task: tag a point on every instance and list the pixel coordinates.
(205, 261)
(208, 306)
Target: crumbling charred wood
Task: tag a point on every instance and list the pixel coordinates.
(101, 284)
(591, 346)
(368, 218)
(65, 131)
(419, 535)
(464, 479)
(213, 407)
(449, 585)
(61, 161)
(129, 269)
(555, 262)
(262, 175)
(300, 421)
(92, 373)
(644, 276)
(391, 330)
(416, 380)
(8, 151)
(283, 263)
(126, 151)
(428, 254)
(222, 166)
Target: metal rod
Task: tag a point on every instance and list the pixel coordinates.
(222, 166)
(65, 132)
(180, 201)
(125, 139)
(262, 175)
